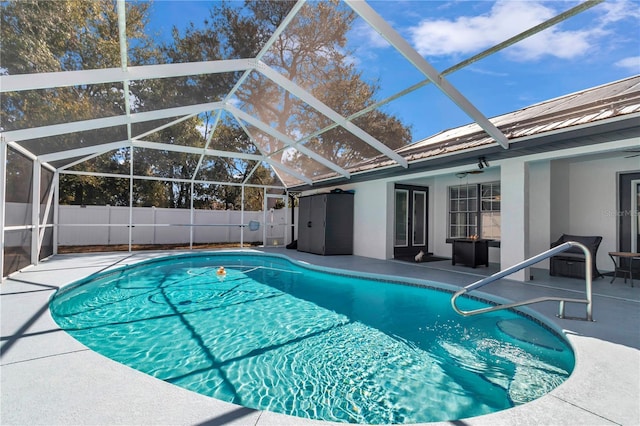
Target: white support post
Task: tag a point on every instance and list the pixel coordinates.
(130, 197)
(45, 215)
(35, 212)
(264, 217)
(3, 200)
(514, 203)
(286, 218)
(155, 222)
(56, 208)
(191, 219)
(242, 216)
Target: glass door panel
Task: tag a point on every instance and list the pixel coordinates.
(635, 223)
(419, 218)
(401, 218)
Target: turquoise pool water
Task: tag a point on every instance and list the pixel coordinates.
(276, 335)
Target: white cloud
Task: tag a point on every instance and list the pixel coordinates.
(632, 63)
(561, 44)
(369, 36)
(488, 72)
(471, 34)
(367, 42)
(615, 11)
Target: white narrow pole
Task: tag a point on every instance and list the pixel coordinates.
(242, 216)
(122, 35)
(45, 214)
(264, 217)
(191, 219)
(130, 196)
(3, 200)
(287, 219)
(56, 208)
(35, 213)
(154, 221)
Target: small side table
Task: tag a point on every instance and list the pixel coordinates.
(470, 252)
(618, 264)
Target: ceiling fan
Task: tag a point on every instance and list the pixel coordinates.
(468, 172)
(482, 163)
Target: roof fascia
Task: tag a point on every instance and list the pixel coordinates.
(379, 24)
(311, 100)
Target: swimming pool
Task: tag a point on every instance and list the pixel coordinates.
(278, 335)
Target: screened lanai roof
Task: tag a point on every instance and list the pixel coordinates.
(281, 89)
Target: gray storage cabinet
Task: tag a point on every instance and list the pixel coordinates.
(325, 223)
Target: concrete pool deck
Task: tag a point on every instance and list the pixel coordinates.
(48, 378)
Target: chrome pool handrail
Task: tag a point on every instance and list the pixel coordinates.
(533, 260)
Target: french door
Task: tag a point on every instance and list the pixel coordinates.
(410, 221)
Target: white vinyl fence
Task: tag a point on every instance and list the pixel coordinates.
(108, 225)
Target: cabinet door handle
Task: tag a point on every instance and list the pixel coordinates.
(309, 224)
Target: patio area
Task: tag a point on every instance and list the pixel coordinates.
(49, 378)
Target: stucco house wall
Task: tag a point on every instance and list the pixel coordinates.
(571, 196)
(593, 197)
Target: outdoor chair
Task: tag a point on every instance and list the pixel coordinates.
(571, 263)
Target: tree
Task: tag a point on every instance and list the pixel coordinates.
(46, 36)
(177, 167)
(204, 44)
(316, 60)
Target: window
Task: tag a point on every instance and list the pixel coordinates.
(490, 211)
(474, 210)
(463, 211)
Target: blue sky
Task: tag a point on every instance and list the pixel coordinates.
(598, 46)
